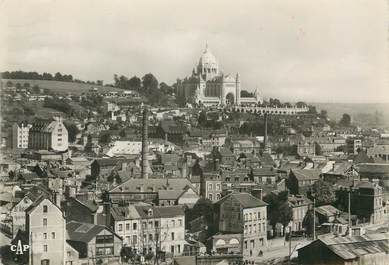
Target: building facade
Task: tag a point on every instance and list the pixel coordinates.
(209, 86)
(48, 135)
(20, 132)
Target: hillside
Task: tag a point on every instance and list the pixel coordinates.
(61, 87)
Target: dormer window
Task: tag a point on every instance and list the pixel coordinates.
(150, 212)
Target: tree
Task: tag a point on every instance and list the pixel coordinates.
(167, 90)
(203, 207)
(149, 83)
(323, 114)
(345, 121)
(323, 192)
(318, 150)
(246, 94)
(58, 76)
(202, 118)
(301, 104)
(134, 83)
(26, 85)
(308, 222)
(278, 209)
(9, 83)
(72, 131)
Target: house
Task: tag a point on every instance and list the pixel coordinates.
(306, 149)
(48, 135)
(102, 168)
(18, 213)
(223, 156)
(146, 190)
(301, 179)
(45, 228)
(380, 150)
(366, 199)
(300, 205)
(144, 227)
(94, 243)
(242, 213)
(211, 186)
(265, 175)
(340, 170)
(365, 249)
(85, 211)
(188, 197)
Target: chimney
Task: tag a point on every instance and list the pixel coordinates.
(216, 164)
(144, 161)
(265, 137)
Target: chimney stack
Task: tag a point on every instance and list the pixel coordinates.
(265, 137)
(144, 144)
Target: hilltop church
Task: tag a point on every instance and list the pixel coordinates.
(209, 86)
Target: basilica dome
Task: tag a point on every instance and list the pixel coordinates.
(207, 58)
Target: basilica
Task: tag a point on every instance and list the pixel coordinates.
(209, 86)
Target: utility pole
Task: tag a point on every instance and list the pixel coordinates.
(349, 212)
(314, 219)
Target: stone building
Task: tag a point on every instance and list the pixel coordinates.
(48, 135)
(242, 213)
(208, 85)
(20, 132)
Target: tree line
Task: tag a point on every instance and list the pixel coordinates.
(45, 76)
(148, 86)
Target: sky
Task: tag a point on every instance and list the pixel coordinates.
(316, 51)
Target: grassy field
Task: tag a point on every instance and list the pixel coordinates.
(61, 87)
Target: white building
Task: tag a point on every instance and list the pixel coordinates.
(148, 228)
(48, 135)
(208, 85)
(122, 148)
(45, 225)
(20, 132)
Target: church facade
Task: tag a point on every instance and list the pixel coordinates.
(208, 85)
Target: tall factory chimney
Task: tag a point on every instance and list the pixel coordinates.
(145, 162)
(265, 148)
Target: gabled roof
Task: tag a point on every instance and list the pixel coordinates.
(246, 200)
(352, 247)
(153, 185)
(84, 232)
(306, 174)
(327, 210)
(160, 212)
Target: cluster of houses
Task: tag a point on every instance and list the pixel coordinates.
(94, 202)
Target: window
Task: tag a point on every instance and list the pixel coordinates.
(156, 224)
(45, 208)
(44, 221)
(52, 235)
(59, 139)
(44, 248)
(173, 223)
(210, 196)
(218, 196)
(144, 225)
(180, 222)
(120, 228)
(69, 254)
(45, 262)
(172, 249)
(150, 224)
(44, 235)
(218, 187)
(127, 227)
(259, 215)
(151, 237)
(134, 239)
(172, 235)
(210, 186)
(134, 226)
(179, 248)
